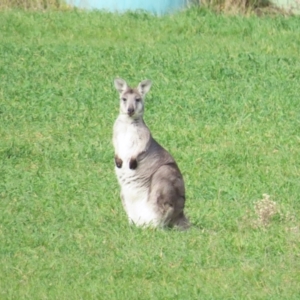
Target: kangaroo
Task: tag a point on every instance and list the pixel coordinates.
(152, 187)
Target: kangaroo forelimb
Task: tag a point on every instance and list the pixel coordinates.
(118, 162)
(133, 164)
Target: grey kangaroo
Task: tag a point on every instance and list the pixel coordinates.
(152, 187)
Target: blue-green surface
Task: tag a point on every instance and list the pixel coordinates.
(154, 6)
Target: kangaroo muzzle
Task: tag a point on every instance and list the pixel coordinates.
(130, 111)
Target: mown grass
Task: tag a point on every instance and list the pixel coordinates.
(225, 103)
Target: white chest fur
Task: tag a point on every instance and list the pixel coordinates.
(129, 141)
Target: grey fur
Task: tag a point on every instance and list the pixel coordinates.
(144, 167)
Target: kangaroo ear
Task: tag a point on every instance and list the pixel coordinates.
(144, 87)
(120, 85)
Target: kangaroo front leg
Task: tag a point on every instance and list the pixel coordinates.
(118, 161)
(133, 163)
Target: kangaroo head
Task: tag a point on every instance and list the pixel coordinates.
(132, 99)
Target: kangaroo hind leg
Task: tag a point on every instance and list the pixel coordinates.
(168, 196)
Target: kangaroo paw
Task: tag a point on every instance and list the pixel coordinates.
(133, 164)
(118, 162)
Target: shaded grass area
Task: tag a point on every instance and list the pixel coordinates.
(224, 103)
(32, 4)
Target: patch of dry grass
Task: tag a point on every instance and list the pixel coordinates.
(233, 7)
(265, 209)
(32, 4)
(267, 212)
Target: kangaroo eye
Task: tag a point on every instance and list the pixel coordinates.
(124, 99)
(138, 100)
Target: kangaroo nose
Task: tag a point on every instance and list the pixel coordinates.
(130, 111)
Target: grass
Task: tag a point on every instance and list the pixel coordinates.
(33, 4)
(244, 7)
(225, 103)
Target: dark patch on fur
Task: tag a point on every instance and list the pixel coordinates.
(133, 164)
(173, 164)
(131, 91)
(118, 162)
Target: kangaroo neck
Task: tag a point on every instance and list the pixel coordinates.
(132, 121)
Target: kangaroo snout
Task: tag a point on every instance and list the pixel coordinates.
(130, 111)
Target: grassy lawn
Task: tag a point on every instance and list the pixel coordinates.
(224, 102)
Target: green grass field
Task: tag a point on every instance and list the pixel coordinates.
(224, 102)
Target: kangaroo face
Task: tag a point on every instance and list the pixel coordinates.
(131, 103)
(132, 100)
